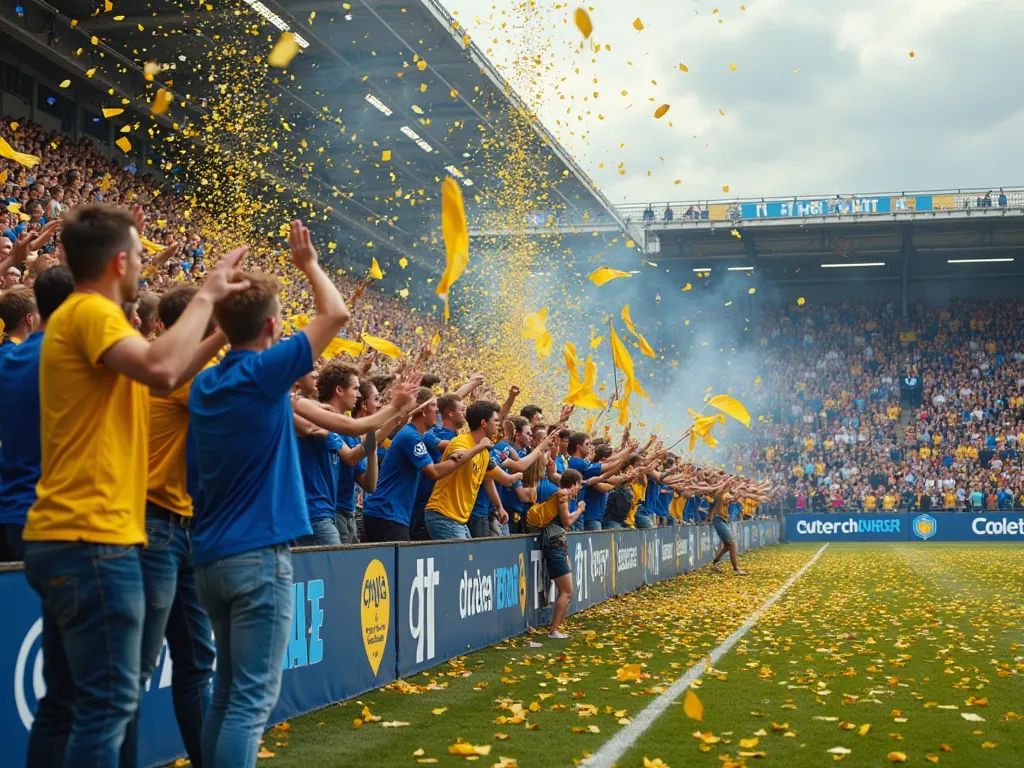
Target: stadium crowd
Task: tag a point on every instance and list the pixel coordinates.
(832, 434)
(167, 437)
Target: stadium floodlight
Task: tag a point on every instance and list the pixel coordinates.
(276, 20)
(702, 269)
(453, 171)
(854, 264)
(975, 261)
(378, 104)
(740, 269)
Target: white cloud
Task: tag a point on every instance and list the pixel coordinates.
(861, 116)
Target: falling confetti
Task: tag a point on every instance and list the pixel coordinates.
(284, 50)
(638, 25)
(583, 23)
(660, 111)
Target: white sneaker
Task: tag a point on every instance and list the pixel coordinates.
(535, 644)
(556, 635)
(740, 572)
(715, 567)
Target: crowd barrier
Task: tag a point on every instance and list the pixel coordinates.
(366, 615)
(912, 526)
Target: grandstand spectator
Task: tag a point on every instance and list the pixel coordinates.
(1002, 199)
(668, 214)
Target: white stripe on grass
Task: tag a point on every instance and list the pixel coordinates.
(617, 745)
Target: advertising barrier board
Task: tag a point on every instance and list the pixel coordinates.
(913, 526)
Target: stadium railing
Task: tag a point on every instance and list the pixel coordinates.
(365, 616)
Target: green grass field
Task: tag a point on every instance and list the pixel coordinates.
(885, 651)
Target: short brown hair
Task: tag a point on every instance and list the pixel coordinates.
(92, 235)
(423, 394)
(146, 306)
(448, 403)
(15, 303)
(173, 303)
(241, 315)
(333, 375)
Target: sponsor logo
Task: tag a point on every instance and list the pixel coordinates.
(668, 552)
(629, 558)
(421, 608)
(496, 590)
(419, 450)
(653, 561)
(305, 646)
(982, 526)
(522, 584)
(591, 564)
(924, 526)
(850, 526)
(375, 612)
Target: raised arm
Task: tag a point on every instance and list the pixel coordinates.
(402, 399)
(331, 312)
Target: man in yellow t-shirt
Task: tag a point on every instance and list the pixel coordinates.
(870, 502)
(451, 502)
(889, 501)
(83, 534)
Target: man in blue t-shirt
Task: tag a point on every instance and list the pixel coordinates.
(452, 411)
(253, 502)
(581, 450)
(20, 449)
(387, 514)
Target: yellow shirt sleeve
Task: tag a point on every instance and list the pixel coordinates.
(454, 495)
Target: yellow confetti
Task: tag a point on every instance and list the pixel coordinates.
(687, 287)
(683, 68)
(603, 275)
(638, 25)
(284, 50)
(583, 23)
(403, 262)
(385, 156)
(161, 102)
(64, 84)
(112, 111)
(725, 188)
(911, 54)
(383, 346)
(375, 272)
(732, 66)
(692, 706)
(801, 301)
(721, 112)
(660, 111)
(752, 291)
(421, 65)
(124, 144)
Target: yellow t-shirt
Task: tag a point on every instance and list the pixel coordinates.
(675, 507)
(94, 427)
(888, 501)
(893, 412)
(870, 503)
(639, 489)
(168, 431)
(949, 500)
(453, 495)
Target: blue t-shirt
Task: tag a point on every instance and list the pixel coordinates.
(655, 500)
(247, 454)
(595, 501)
(346, 496)
(585, 468)
(508, 497)
(20, 452)
(431, 438)
(482, 504)
(318, 457)
(6, 346)
(545, 490)
(399, 476)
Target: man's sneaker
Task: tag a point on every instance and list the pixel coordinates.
(715, 567)
(739, 572)
(556, 635)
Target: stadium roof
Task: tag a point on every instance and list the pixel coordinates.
(364, 62)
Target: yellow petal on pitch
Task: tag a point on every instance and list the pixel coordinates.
(124, 144)
(284, 50)
(385, 156)
(736, 233)
(456, 236)
(383, 346)
(730, 406)
(660, 111)
(801, 301)
(583, 23)
(339, 345)
(683, 68)
(638, 25)
(749, 743)
(602, 275)
(897, 757)
(628, 673)
(161, 102)
(465, 749)
(375, 272)
(22, 158)
(692, 706)
(112, 111)
(65, 84)
(416, 108)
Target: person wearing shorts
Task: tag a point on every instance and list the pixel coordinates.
(556, 550)
(720, 520)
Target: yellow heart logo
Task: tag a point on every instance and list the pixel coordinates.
(375, 611)
(522, 584)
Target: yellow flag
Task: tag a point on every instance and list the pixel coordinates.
(584, 397)
(284, 50)
(601, 276)
(383, 346)
(535, 324)
(339, 345)
(692, 706)
(622, 360)
(731, 407)
(456, 237)
(543, 344)
(702, 428)
(375, 272)
(150, 246)
(6, 150)
(644, 346)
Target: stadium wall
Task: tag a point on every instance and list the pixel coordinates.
(905, 527)
(367, 615)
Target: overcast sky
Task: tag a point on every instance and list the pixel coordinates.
(861, 115)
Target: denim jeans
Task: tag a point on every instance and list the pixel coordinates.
(173, 611)
(479, 527)
(578, 525)
(591, 525)
(325, 533)
(643, 521)
(249, 599)
(606, 524)
(93, 608)
(443, 528)
(348, 531)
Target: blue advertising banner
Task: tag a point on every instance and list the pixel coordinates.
(660, 554)
(592, 556)
(629, 572)
(459, 597)
(924, 526)
(802, 207)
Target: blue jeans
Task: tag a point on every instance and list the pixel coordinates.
(249, 599)
(325, 533)
(606, 524)
(578, 525)
(643, 521)
(591, 525)
(443, 528)
(348, 531)
(173, 611)
(93, 608)
(479, 527)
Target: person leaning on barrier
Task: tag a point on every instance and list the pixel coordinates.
(84, 531)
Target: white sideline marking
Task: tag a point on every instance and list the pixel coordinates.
(616, 746)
